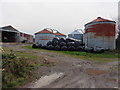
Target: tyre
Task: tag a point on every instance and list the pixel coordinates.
(78, 43)
(64, 48)
(70, 40)
(39, 46)
(98, 50)
(49, 43)
(88, 49)
(50, 47)
(62, 39)
(70, 44)
(55, 39)
(55, 43)
(71, 48)
(62, 44)
(57, 47)
(34, 46)
(79, 48)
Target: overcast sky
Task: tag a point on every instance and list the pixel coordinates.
(31, 16)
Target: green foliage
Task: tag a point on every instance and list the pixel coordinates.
(17, 68)
(8, 56)
(102, 55)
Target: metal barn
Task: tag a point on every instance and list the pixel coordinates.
(76, 34)
(43, 36)
(26, 38)
(9, 34)
(100, 33)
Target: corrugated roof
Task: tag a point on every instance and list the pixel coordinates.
(45, 31)
(59, 34)
(99, 19)
(77, 32)
(9, 28)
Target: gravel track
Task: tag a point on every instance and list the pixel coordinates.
(71, 72)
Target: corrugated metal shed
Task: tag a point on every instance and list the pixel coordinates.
(9, 28)
(9, 34)
(27, 38)
(101, 33)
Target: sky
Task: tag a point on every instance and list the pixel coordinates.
(31, 16)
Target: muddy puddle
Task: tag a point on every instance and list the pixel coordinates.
(46, 80)
(92, 71)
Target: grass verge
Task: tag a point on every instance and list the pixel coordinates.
(107, 56)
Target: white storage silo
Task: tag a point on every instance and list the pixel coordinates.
(43, 36)
(76, 34)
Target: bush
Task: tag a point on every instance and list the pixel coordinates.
(8, 56)
(15, 70)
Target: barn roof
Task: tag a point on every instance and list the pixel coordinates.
(44, 31)
(9, 27)
(59, 34)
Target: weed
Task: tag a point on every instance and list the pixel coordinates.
(18, 67)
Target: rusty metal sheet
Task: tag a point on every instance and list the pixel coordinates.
(103, 29)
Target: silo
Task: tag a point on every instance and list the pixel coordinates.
(76, 34)
(100, 33)
(43, 36)
(60, 35)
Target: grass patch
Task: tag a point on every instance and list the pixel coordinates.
(18, 67)
(107, 56)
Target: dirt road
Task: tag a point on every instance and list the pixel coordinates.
(71, 72)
